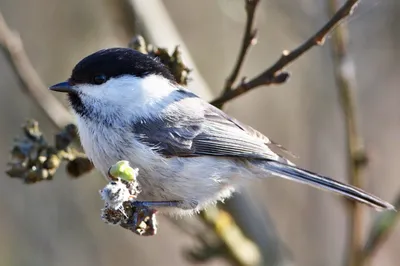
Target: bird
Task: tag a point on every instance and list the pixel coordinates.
(190, 154)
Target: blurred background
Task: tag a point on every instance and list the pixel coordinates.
(57, 223)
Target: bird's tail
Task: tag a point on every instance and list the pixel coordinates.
(300, 175)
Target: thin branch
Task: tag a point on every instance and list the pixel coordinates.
(379, 233)
(357, 158)
(241, 249)
(275, 74)
(249, 38)
(160, 30)
(11, 43)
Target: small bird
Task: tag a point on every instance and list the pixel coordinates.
(190, 154)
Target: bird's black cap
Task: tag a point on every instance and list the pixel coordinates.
(114, 62)
(100, 66)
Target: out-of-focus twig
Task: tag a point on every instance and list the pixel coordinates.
(173, 61)
(380, 231)
(258, 225)
(159, 29)
(249, 37)
(275, 73)
(33, 159)
(272, 251)
(241, 249)
(12, 44)
(357, 158)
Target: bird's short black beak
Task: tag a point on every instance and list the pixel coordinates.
(61, 87)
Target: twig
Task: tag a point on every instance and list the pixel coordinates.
(160, 30)
(379, 232)
(11, 43)
(249, 37)
(357, 159)
(275, 74)
(241, 249)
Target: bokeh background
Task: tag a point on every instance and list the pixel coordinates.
(57, 223)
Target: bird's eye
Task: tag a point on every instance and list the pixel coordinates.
(99, 79)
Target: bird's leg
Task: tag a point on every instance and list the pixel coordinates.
(157, 204)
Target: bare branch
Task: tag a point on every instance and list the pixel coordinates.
(379, 233)
(275, 74)
(11, 43)
(232, 238)
(249, 38)
(356, 158)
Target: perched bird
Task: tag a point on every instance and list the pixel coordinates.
(190, 154)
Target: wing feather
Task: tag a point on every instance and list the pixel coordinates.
(196, 128)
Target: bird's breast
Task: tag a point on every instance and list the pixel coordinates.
(107, 145)
(201, 178)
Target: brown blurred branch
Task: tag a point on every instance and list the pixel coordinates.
(241, 249)
(12, 44)
(249, 37)
(357, 158)
(78, 163)
(273, 253)
(275, 73)
(379, 233)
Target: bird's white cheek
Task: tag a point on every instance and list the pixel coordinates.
(97, 92)
(128, 95)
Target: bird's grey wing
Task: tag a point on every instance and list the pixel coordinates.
(192, 127)
(197, 128)
(255, 133)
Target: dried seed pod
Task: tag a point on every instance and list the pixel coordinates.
(52, 162)
(32, 176)
(33, 160)
(17, 169)
(139, 44)
(32, 131)
(20, 151)
(173, 61)
(79, 166)
(65, 137)
(43, 173)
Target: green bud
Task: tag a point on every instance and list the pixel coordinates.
(123, 170)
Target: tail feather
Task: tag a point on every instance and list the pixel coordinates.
(322, 182)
